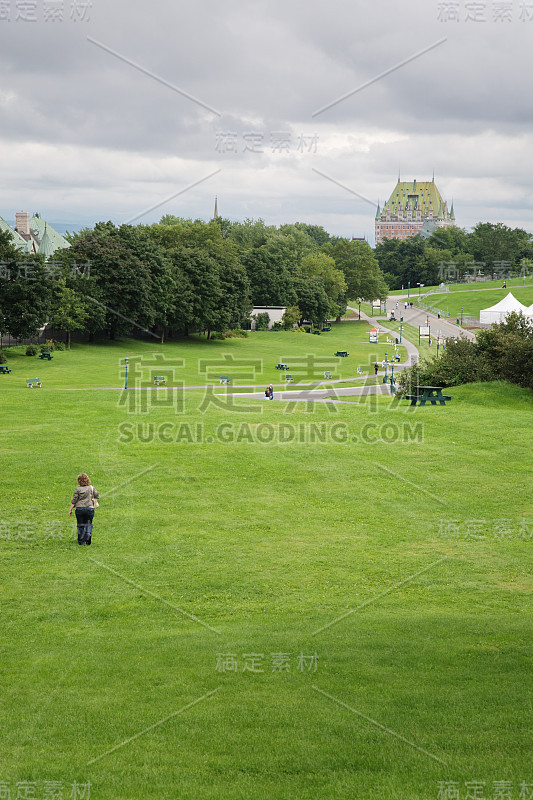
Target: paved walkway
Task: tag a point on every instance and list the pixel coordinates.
(439, 327)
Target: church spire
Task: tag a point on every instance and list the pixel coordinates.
(216, 214)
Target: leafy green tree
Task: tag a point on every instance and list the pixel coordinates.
(68, 310)
(291, 317)
(122, 279)
(361, 269)
(312, 299)
(25, 293)
(498, 246)
(323, 266)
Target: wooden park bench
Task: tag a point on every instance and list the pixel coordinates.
(341, 353)
(160, 380)
(282, 366)
(48, 356)
(425, 394)
(225, 379)
(4, 370)
(32, 382)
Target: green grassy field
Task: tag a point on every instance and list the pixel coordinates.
(474, 300)
(197, 361)
(279, 602)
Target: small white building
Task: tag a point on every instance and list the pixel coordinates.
(275, 314)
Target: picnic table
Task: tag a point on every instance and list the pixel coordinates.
(282, 366)
(4, 370)
(424, 394)
(341, 353)
(33, 382)
(48, 356)
(160, 380)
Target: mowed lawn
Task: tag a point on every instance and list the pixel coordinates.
(280, 601)
(196, 361)
(473, 301)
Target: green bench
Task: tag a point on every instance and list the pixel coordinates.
(33, 382)
(48, 356)
(326, 328)
(317, 332)
(288, 378)
(282, 366)
(4, 370)
(327, 375)
(160, 380)
(225, 379)
(341, 353)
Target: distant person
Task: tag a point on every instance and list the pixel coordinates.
(84, 501)
(376, 368)
(438, 315)
(269, 392)
(396, 305)
(504, 285)
(406, 305)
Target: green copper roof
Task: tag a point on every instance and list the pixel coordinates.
(18, 241)
(40, 226)
(46, 248)
(414, 194)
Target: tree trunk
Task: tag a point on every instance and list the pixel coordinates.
(338, 319)
(68, 340)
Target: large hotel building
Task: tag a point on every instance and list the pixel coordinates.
(412, 208)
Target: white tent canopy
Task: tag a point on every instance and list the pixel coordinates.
(499, 312)
(529, 311)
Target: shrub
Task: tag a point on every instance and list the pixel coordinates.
(277, 326)
(32, 350)
(461, 362)
(3, 356)
(217, 335)
(261, 321)
(60, 346)
(236, 334)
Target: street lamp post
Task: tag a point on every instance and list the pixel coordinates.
(408, 289)
(401, 329)
(461, 316)
(126, 361)
(359, 308)
(385, 379)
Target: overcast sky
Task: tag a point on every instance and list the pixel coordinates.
(85, 135)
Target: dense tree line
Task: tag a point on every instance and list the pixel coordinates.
(181, 275)
(495, 250)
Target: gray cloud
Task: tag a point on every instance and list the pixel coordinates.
(87, 135)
